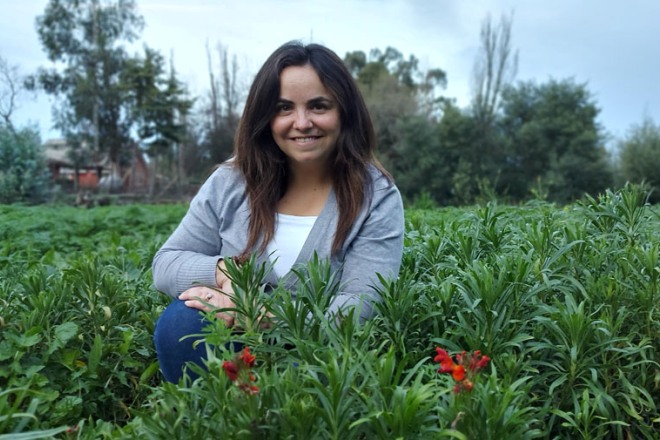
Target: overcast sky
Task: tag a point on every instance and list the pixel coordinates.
(612, 45)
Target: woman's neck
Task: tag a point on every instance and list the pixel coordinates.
(306, 193)
(308, 176)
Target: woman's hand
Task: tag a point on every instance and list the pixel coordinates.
(219, 298)
(199, 296)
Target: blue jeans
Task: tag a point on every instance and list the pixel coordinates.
(173, 353)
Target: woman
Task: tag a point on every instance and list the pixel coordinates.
(303, 180)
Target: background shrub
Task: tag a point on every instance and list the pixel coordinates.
(24, 175)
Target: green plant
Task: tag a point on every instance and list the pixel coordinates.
(562, 299)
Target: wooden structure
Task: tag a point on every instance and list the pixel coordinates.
(92, 175)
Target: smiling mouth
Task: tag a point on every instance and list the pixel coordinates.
(306, 139)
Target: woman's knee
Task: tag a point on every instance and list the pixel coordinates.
(175, 341)
(176, 322)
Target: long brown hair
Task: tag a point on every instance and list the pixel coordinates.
(264, 165)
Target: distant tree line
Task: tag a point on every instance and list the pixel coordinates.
(516, 140)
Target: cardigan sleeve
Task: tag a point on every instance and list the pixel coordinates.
(190, 254)
(377, 248)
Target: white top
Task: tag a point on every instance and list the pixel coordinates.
(291, 232)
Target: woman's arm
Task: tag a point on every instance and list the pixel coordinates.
(190, 255)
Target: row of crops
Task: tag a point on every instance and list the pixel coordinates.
(531, 321)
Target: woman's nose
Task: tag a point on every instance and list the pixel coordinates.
(302, 121)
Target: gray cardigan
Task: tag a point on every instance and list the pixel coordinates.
(216, 223)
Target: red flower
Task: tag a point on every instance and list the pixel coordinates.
(478, 361)
(462, 375)
(231, 370)
(483, 362)
(447, 365)
(247, 357)
(458, 372)
(441, 356)
(473, 360)
(239, 371)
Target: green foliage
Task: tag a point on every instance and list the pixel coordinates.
(401, 98)
(457, 132)
(77, 314)
(640, 156)
(419, 168)
(156, 102)
(24, 176)
(516, 141)
(552, 134)
(391, 62)
(544, 141)
(495, 409)
(563, 301)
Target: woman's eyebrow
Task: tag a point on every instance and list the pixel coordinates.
(320, 100)
(317, 100)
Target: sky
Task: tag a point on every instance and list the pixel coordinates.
(612, 46)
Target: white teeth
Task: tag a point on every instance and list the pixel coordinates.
(305, 139)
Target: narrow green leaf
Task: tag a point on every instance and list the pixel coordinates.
(95, 355)
(34, 434)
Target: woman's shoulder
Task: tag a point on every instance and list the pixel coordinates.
(380, 180)
(225, 174)
(385, 199)
(224, 183)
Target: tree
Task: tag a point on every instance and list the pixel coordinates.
(552, 136)
(388, 102)
(24, 175)
(457, 133)
(395, 90)
(11, 89)
(159, 103)
(159, 107)
(84, 39)
(495, 68)
(639, 156)
(421, 167)
(406, 73)
(222, 108)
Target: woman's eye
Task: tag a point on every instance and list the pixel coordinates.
(283, 107)
(319, 106)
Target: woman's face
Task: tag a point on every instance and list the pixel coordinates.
(306, 124)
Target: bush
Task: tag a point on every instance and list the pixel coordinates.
(24, 175)
(640, 156)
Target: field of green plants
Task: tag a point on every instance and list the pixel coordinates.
(533, 321)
